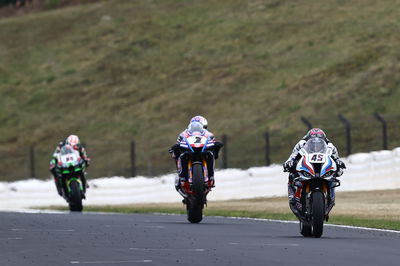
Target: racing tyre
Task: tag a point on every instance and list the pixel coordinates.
(196, 204)
(75, 202)
(195, 214)
(318, 213)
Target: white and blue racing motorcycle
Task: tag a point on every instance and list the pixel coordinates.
(315, 184)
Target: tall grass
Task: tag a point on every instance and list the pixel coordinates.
(122, 70)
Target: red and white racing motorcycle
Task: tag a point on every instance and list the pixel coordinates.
(315, 187)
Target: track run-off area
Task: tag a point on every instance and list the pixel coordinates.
(63, 238)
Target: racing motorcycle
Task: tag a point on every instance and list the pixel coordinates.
(315, 187)
(71, 168)
(197, 149)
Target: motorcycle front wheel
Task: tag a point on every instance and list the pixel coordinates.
(318, 213)
(196, 203)
(75, 199)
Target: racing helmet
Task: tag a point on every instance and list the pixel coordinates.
(202, 120)
(316, 133)
(73, 140)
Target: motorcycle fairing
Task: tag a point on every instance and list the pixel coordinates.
(304, 166)
(329, 165)
(305, 163)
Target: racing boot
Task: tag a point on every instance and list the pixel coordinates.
(178, 186)
(57, 181)
(85, 184)
(211, 182)
(291, 189)
(291, 193)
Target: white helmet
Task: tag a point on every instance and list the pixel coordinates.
(73, 140)
(201, 120)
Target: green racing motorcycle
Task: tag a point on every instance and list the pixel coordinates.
(71, 168)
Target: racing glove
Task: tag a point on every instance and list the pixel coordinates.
(339, 172)
(175, 150)
(218, 146)
(288, 166)
(340, 164)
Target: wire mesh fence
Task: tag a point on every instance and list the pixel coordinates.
(130, 158)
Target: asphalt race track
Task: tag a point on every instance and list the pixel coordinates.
(139, 239)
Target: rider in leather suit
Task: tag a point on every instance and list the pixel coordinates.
(290, 164)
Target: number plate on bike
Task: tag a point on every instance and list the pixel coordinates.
(69, 158)
(316, 158)
(197, 141)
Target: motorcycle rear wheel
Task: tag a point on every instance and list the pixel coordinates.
(196, 204)
(75, 200)
(318, 214)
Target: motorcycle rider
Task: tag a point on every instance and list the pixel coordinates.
(72, 140)
(181, 161)
(290, 164)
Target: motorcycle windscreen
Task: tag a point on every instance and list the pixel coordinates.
(66, 149)
(315, 145)
(69, 156)
(195, 127)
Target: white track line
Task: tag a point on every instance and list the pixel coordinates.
(330, 225)
(41, 230)
(110, 262)
(169, 249)
(239, 218)
(263, 244)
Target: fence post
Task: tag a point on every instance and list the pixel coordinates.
(225, 152)
(32, 161)
(384, 130)
(267, 149)
(133, 159)
(347, 126)
(306, 122)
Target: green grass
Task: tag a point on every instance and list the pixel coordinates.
(334, 219)
(114, 71)
(366, 222)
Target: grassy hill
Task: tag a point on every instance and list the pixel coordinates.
(114, 71)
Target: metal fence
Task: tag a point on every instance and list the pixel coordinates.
(349, 134)
(129, 158)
